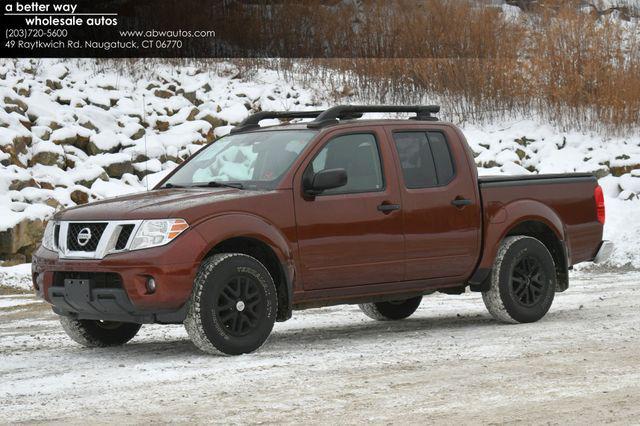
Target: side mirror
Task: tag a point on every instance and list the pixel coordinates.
(325, 179)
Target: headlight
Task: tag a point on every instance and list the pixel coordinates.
(49, 237)
(153, 233)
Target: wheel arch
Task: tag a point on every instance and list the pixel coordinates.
(253, 236)
(530, 218)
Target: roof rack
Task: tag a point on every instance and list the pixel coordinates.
(344, 112)
(253, 121)
(333, 115)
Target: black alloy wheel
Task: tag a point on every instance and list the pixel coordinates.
(528, 280)
(240, 305)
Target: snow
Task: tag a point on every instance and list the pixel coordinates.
(449, 363)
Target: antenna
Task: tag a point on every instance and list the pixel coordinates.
(146, 153)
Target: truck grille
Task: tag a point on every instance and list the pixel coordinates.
(94, 240)
(84, 236)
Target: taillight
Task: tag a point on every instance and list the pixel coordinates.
(599, 196)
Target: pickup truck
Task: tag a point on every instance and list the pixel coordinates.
(333, 210)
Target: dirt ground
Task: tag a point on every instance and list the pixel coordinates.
(448, 364)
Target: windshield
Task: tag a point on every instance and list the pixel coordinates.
(254, 160)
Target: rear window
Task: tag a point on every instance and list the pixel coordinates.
(425, 159)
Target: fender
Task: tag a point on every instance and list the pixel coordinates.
(219, 228)
(499, 220)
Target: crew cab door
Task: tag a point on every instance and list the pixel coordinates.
(440, 202)
(351, 235)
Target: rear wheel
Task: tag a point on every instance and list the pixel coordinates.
(523, 281)
(93, 333)
(233, 306)
(392, 310)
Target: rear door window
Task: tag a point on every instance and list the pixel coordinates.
(425, 159)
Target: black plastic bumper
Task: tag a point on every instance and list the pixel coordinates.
(79, 298)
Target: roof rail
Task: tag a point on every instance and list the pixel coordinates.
(253, 121)
(343, 112)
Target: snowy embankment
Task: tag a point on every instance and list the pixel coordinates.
(69, 135)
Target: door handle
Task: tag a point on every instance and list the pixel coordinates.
(461, 202)
(386, 208)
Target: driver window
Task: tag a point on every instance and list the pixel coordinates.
(356, 153)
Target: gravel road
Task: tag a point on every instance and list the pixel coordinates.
(449, 363)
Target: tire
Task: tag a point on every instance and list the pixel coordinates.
(233, 305)
(91, 333)
(522, 281)
(389, 311)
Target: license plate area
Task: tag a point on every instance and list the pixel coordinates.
(78, 289)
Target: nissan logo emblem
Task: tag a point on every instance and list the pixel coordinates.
(84, 236)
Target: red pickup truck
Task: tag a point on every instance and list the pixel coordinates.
(330, 211)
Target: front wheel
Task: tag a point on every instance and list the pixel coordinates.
(233, 306)
(523, 281)
(392, 310)
(91, 333)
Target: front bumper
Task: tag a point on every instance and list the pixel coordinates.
(123, 296)
(604, 252)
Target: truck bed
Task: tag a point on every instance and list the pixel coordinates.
(567, 198)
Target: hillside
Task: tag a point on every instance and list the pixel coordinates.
(72, 132)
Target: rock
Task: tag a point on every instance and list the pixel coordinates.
(52, 202)
(24, 91)
(600, 173)
(21, 237)
(88, 182)
(152, 86)
(12, 108)
(15, 101)
(193, 98)
(13, 155)
(46, 158)
(21, 143)
(19, 185)
(162, 93)
(53, 84)
(79, 197)
(521, 153)
(211, 119)
(116, 170)
(627, 195)
(69, 162)
(623, 170)
(138, 135)
(13, 259)
(161, 125)
(45, 185)
(524, 141)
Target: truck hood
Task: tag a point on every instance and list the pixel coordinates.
(190, 204)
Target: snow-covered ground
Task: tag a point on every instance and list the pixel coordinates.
(450, 363)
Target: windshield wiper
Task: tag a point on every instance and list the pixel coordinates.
(216, 184)
(170, 185)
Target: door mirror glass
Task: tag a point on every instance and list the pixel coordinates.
(324, 180)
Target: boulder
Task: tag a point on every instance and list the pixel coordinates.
(13, 259)
(22, 237)
(19, 185)
(79, 197)
(116, 170)
(211, 119)
(623, 170)
(88, 182)
(46, 158)
(162, 93)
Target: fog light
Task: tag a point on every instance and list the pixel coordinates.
(151, 285)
